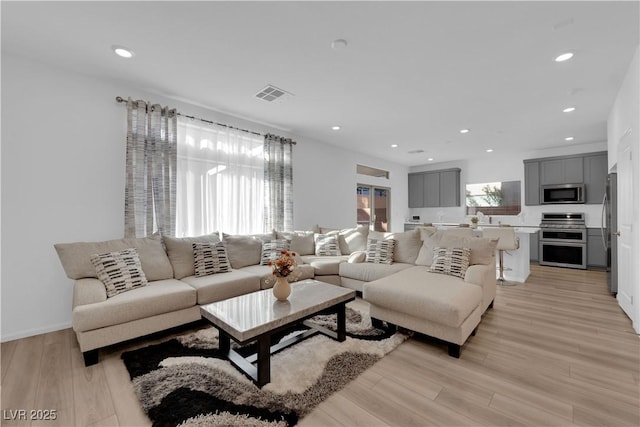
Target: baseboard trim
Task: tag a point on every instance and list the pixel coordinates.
(36, 331)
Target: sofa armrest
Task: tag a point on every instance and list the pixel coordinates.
(477, 274)
(357, 257)
(88, 291)
(483, 275)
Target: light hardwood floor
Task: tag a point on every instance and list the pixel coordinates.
(556, 351)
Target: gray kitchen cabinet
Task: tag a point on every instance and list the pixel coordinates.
(596, 253)
(568, 170)
(450, 188)
(589, 169)
(416, 190)
(534, 239)
(595, 177)
(433, 189)
(532, 183)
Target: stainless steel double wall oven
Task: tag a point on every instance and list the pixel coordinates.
(563, 240)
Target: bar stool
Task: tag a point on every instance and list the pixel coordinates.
(507, 241)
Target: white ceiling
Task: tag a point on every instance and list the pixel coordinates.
(413, 74)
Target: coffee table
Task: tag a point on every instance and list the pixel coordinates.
(258, 315)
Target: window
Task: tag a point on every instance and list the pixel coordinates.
(220, 182)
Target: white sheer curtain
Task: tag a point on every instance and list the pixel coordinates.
(220, 180)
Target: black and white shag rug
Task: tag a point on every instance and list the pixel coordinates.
(185, 382)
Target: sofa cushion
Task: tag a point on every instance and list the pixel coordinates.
(272, 249)
(416, 291)
(327, 245)
(368, 272)
(407, 244)
(76, 257)
(380, 251)
(217, 287)
(245, 250)
(431, 239)
(120, 271)
(325, 265)
(180, 252)
(451, 261)
(301, 241)
(210, 258)
(159, 297)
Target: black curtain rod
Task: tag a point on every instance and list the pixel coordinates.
(122, 100)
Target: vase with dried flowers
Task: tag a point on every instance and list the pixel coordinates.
(282, 267)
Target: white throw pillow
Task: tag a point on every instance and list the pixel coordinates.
(451, 261)
(210, 258)
(272, 249)
(327, 245)
(380, 251)
(119, 271)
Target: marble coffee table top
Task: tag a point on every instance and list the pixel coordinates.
(247, 316)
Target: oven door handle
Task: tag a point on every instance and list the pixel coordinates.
(603, 223)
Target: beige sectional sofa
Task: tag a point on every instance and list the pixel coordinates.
(173, 294)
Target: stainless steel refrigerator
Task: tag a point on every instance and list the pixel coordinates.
(609, 230)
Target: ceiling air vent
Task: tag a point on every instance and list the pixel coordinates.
(416, 151)
(271, 93)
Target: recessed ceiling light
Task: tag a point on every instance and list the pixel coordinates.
(339, 44)
(122, 51)
(569, 109)
(489, 150)
(394, 145)
(335, 127)
(430, 159)
(464, 130)
(569, 138)
(565, 56)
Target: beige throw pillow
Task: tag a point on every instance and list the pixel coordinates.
(244, 250)
(180, 252)
(407, 244)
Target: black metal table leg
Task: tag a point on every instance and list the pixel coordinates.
(341, 327)
(264, 359)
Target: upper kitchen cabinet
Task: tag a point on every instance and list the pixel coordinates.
(595, 177)
(589, 169)
(567, 170)
(416, 190)
(531, 182)
(432, 189)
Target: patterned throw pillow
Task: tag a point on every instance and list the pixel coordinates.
(210, 258)
(271, 249)
(451, 261)
(380, 251)
(119, 271)
(327, 245)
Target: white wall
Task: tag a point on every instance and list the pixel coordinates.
(623, 130)
(498, 167)
(62, 178)
(334, 170)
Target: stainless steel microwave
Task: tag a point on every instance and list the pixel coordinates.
(562, 193)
